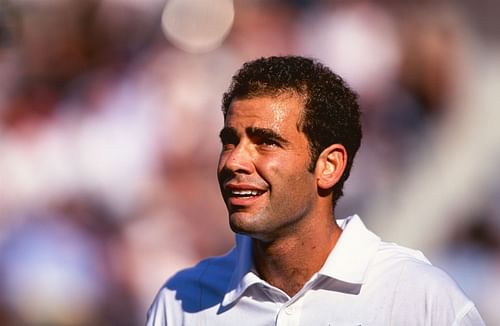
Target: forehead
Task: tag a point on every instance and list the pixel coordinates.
(283, 111)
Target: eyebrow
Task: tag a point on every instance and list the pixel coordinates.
(230, 133)
(266, 133)
(227, 133)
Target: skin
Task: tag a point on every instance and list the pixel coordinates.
(290, 213)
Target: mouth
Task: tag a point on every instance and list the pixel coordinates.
(245, 193)
(242, 195)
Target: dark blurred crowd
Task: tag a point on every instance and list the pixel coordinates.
(108, 141)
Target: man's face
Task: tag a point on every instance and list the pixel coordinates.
(263, 167)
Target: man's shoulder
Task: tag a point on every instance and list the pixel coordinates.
(393, 254)
(406, 263)
(194, 289)
(417, 285)
(208, 279)
(211, 271)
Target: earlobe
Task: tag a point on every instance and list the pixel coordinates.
(331, 165)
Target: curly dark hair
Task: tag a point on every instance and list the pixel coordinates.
(331, 112)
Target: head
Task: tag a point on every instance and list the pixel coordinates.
(330, 113)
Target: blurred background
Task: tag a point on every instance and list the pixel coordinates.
(109, 116)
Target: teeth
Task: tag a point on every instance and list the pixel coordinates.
(245, 192)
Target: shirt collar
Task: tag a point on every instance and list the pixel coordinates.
(353, 252)
(347, 262)
(244, 274)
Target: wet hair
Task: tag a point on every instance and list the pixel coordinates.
(331, 113)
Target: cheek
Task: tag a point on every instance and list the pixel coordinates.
(220, 166)
(221, 162)
(286, 171)
(269, 168)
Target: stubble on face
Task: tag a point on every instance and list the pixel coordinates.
(263, 167)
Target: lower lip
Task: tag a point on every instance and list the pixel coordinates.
(243, 201)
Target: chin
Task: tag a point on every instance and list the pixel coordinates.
(242, 223)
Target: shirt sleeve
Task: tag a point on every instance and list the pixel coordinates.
(157, 313)
(469, 317)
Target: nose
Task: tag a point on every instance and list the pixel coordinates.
(237, 160)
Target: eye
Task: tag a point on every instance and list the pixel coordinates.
(265, 138)
(267, 143)
(227, 145)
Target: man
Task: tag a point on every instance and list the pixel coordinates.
(291, 131)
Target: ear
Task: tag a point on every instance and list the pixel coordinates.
(330, 166)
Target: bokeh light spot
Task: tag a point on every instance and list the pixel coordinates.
(197, 26)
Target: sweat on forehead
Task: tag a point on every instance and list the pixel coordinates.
(281, 104)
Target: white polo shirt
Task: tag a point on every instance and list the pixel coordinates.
(364, 281)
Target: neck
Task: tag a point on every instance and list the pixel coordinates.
(290, 261)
